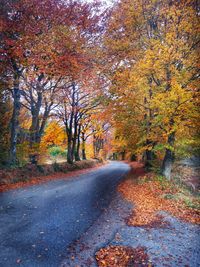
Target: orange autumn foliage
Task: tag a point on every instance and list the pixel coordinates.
(54, 135)
(122, 256)
(152, 47)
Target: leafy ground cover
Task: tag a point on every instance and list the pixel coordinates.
(122, 256)
(151, 193)
(152, 196)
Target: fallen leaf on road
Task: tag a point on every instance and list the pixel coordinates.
(122, 256)
(18, 261)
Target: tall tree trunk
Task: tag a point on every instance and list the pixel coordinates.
(69, 144)
(35, 112)
(98, 144)
(148, 118)
(123, 153)
(34, 146)
(74, 139)
(70, 137)
(69, 152)
(14, 124)
(83, 147)
(169, 153)
(148, 159)
(77, 152)
(34, 129)
(84, 157)
(73, 147)
(148, 156)
(43, 123)
(169, 157)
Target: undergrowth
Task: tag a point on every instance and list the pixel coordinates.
(176, 190)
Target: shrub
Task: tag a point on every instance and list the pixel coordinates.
(56, 167)
(56, 151)
(41, 169)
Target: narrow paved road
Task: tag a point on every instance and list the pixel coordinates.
(38, 223)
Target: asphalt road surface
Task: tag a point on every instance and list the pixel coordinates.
(38, 223)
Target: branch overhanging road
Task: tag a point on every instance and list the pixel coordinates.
(39, 222)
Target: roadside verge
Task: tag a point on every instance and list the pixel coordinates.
(162, 229)
(36, 174)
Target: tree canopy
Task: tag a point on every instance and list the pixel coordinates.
(122, 78)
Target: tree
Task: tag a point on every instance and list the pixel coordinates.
(39, 93)
(42, 41)
(5, 115)
(153, 52)
(54, 135)
(77, 103)
(12, 55)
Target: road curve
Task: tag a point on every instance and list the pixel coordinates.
(38, 223)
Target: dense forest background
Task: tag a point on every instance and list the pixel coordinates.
(83, 80)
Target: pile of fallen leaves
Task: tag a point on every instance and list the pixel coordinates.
(115, 256)
(146, 194)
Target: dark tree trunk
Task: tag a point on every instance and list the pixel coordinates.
(84, 154)
(36, 105)
(14, 124)
(34, 142)
(83, 147)
(35, 137)
(69, 144)
(69, 151)
(36, 132)
(148, 156)
(148, 118)
(123, 153)
(73, 147)
(148, 160)
(115, 156)
(34, 129)
(98, 143)
(74, 140)
(169, 157)
(43, 123)
(77, 152)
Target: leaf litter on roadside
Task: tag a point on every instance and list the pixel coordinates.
(146, 193)
(122, 256)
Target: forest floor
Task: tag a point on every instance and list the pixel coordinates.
(150, 222)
